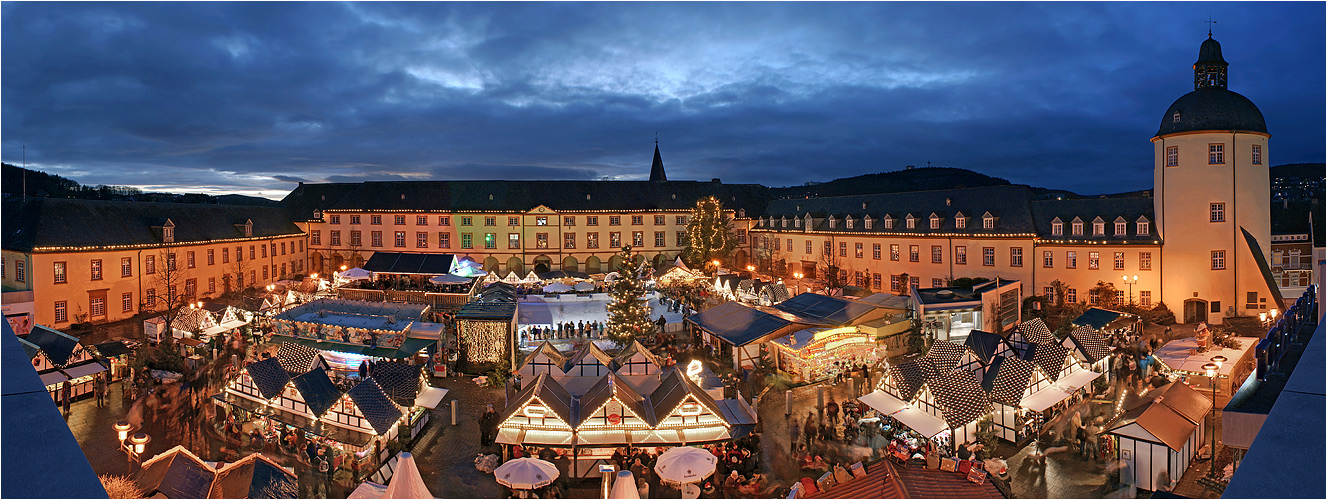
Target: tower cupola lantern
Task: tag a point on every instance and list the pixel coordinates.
(1210, 69)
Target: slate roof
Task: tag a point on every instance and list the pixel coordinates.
(592, 350)
(254, 476)
(400, 381)
(625, 355)
(301, 203)
(409, 263)
(1097, 317)
(1007, 379)
(1009, 204)
(960, 397)
(521, 196)
(318, 391)
(1045, 212)
(673, 389)
(59, 222)
(374, 405)
(554, 355)
(825, 309)
(942, 358)
(177, 473)
(268, 376)
(741, 324)
(58, 346)
(1212, 108)
(608, 387)
(487, 310)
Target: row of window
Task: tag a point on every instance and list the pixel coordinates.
(97, 304)
(444, 240)
(568, 220)
(1216, 155)
(60, 271)
(1143, 227)
(961, 254)
(960, 222)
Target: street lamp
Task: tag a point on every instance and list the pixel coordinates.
(1130, 282)
(132, 446)
(1213, 371)
(797, 288)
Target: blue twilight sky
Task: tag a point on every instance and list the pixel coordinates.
(253, 97)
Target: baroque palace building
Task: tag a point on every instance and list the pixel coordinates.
(1199, 241)
(83, 261)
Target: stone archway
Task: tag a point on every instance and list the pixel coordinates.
(659, 261)
(739, 259)
(542, 264)
(592, 265)
(317, 263)
(569, 264)
(515, 265)
(491, 264)
(337, 261)
(614, 263)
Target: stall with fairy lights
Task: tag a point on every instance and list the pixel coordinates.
(811, 354)
(198, 320)
(1061, 374)
(357, 417)
(59, 359)
(593, 420)
(1159, 435)
(936, 397)
(1184, 358)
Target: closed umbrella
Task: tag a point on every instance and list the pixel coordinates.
(526, 473)
(557, 288)
(584, 286)
(685, 464)
(406, 481)
(624, 487)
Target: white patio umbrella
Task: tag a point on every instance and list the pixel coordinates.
(685, 464)
(584, 286)
(449, 279)
(526, 473)
(557, 288)
(355, 274)
(406, 481)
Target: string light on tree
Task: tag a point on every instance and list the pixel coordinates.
(628, 311)
(708, 235)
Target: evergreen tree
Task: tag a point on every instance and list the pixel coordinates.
(709, 236)
(628, 311)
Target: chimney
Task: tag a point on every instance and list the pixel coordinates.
(715, 180)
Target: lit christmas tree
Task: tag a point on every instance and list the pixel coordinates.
(708, 235)
(628, 311)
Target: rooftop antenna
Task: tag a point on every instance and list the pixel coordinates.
(1209, 22)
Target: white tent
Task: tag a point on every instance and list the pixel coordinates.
(624, 487)
(557, 288)
(406, 482)
(355, 274)
(584, 286)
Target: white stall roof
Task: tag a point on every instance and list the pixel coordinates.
(1182, 354)
(883, 402)
(924, 423)
(1043, 399)
(1077, 379)
(430, 397)
(83, 370)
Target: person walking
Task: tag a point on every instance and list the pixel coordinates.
(794, 433)
(832, 409)
(101, 390)
(487, 422)
(64, 396)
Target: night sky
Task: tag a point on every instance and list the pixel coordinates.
(251, 98)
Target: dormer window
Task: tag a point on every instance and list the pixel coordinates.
(741, 212)
(935, 221)
(1078, 226)
(1144, 228)
(1057, 227)
(1121, 226)
(988, 221)
(1098, 227)
(797, 222)
(889, 222)
(1176, 117)
(832, 222)
(168, 232)
(847, 222)
(760, 222)
(866, 222)
(912, 222)
(783, 222)
(960, 221)
(248, 228)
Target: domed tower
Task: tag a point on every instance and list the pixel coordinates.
(1213, 199)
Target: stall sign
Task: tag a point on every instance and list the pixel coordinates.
(535, 411)
(689, 409)
(614, 418)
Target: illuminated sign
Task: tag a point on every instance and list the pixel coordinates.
(535, 411)
(689, 409)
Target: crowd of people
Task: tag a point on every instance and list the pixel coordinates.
(566, 330)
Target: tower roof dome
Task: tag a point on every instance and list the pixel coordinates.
(1211, 106)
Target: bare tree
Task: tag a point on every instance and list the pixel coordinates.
(171, 281)
(830, 273)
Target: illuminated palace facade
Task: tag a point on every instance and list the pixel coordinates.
(82, 261)
(509, 226)
(1199, 241)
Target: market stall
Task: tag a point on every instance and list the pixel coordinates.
(1185, 358)
(811, 354)
(932, 396)
(59, 359)
(739, 330)
(1158, 436)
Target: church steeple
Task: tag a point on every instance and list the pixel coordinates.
(656, 168)
(1210, 69)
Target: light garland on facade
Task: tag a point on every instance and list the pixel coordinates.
(137, 246)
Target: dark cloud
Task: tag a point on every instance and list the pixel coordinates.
(253, 96)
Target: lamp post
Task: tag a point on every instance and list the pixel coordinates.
(1213, 371)
(797, 287)
(133, 446)
(1130, 282)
